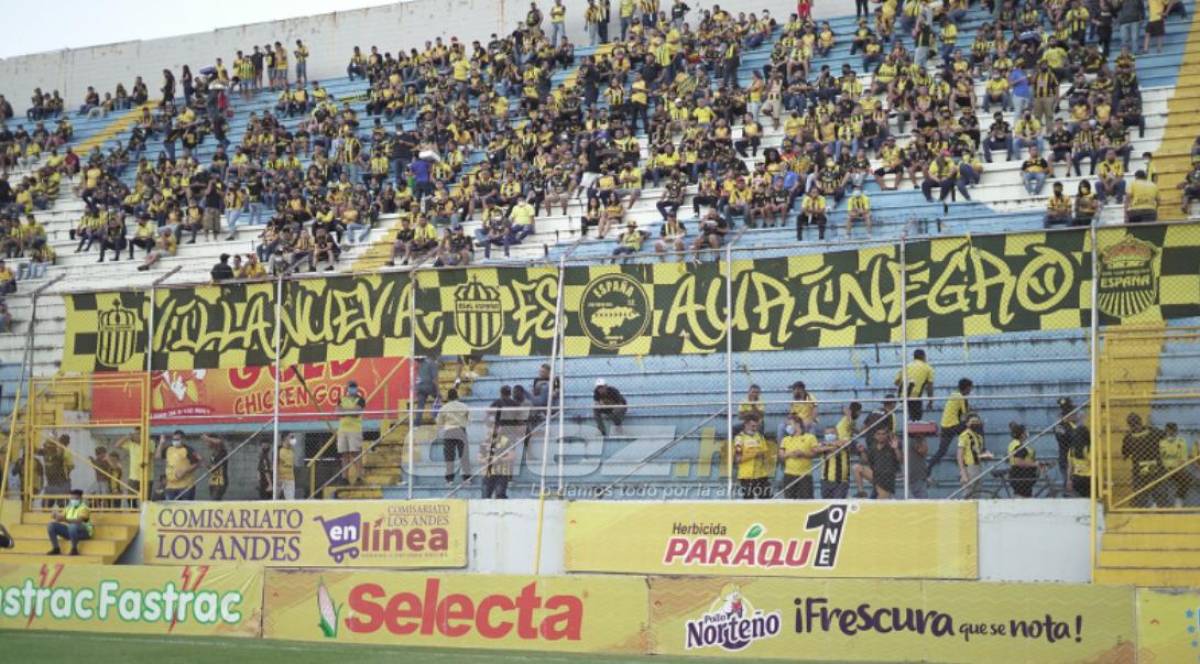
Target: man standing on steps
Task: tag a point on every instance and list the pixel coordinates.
(350, 432)
(920, 384)
(74, 523)
(954, 417)
(452, 422)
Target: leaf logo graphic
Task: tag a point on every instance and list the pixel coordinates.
(755, 531)
(326, 611)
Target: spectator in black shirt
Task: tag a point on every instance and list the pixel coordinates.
(221, 271)
(609, 404)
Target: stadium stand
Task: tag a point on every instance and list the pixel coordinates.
(432, 123)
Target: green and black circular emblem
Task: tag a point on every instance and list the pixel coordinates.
(614, 310)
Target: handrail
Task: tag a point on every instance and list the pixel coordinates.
(660, 451)
(12, 435)
(103, 472)
(366, 448)
(1002, 459)
(228, 454)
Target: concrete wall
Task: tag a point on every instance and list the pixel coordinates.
(330, 38)
(1034, 540)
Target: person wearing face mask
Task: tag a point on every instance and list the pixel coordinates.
(971, 454)
(835, 469)
(182, 463)
(73, 523)
(796, 452)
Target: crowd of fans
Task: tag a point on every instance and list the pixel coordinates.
(314, 174)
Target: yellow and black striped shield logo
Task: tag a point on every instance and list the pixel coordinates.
(117, 335)
(1128, 285)
(478, 314)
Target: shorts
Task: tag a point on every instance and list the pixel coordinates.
(349, 441)
(1156, 28)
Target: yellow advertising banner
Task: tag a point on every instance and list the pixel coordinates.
(1168, 625)
(183, 601)
(882, 620)
(548, 614)
(927, 539)
(365, 533)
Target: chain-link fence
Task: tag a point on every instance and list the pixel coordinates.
(955, 366)
(1149, 418)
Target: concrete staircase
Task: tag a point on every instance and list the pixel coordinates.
(113, 533)
(386, 463)
(1156, 549)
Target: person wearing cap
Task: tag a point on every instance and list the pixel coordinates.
(609, 404)
(74, 522)
(630, 241)
(350, 432)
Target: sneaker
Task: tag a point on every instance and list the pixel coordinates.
(54, 552)
(74, 551)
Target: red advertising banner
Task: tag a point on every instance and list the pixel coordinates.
(223, 396)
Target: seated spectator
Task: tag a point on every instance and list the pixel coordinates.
(6, 318)
(1058, 208)
(671, 237)
(74, 522)
(813, 212)
(221, 271)
(166, 245)
(858, 210)
(609, 405)
(1111, 179)
(1191, 189)
(1034, 171)
(40, 259)
(630, 241)
(713, 229)
(1086, 205)
(8, 281)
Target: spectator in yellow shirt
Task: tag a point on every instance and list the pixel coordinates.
(751, 456)
(1142, 203)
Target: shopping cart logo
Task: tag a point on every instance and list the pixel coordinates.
(344, 534)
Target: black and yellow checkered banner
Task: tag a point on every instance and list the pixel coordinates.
(955, 287)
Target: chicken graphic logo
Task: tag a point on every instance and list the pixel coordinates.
(731, 623)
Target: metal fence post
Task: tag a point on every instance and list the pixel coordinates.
(412, 383)
(278, 378)
(729, 370)
(554, 350)
(903, 359)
